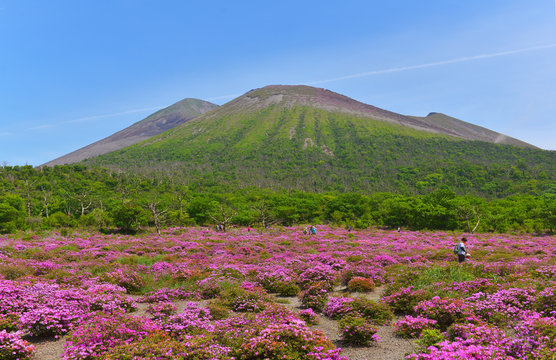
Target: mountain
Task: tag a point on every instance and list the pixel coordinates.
(300, 137)
(154, 124)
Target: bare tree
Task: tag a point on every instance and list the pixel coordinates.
(46, 198)
(67, 203)
(468, 212)
(263, 213)
(158, 214)
(223, 215)
(27, 189)
(84, 201)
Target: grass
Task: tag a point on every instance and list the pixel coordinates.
(439, 274)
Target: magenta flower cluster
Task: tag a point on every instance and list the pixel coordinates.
(13, 347)
(411, 327)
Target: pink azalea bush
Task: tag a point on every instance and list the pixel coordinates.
(315, 297)
(309, 316)
(444, 311)
(285, 341)
(411, 327)
(12, 347)
(103, 332)
(161, 309)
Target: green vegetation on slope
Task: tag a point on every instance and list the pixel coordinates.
(311, 149)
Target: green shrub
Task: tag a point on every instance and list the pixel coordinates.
(360, 284)
(429, 337)
(404, 300)
(449, 274)
(9, 322)
(287, 288)
(377, 313)
(12, 272)
(356, 331)
(218, 312)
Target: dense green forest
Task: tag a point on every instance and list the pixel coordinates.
(315, 150)
(95, 198)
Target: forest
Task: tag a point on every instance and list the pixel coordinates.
(75, 196)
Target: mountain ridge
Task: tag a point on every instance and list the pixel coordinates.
(154, 124)
(288, 95)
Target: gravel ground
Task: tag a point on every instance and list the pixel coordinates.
(49, 349)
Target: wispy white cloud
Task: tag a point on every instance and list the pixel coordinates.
(433, 64)
(94, 117)
(41, 127)
(223, 97)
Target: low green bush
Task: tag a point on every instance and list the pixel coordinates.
(356, 331)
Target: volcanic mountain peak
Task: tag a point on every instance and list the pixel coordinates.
(154, 124)
(288, 96)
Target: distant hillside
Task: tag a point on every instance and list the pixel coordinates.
(154, 124)
(469, 131)
(298, 137)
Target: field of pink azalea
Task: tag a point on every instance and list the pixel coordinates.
(203, 294)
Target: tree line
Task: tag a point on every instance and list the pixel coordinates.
(76, 196)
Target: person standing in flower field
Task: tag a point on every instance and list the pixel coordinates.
(461, 251)
(313, 230)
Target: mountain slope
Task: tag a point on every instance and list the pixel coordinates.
(470, 131)
(288, 96)
(152, 125)
(298, 137)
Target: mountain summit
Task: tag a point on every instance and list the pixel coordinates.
(301, 95)
(154, 124)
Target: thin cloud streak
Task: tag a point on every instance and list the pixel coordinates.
(433, 64)
(224, 97)
(94, 117)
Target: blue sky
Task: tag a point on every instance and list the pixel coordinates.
(73, 72)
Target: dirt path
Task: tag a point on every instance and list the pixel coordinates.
(390, 347)
(51, 349)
